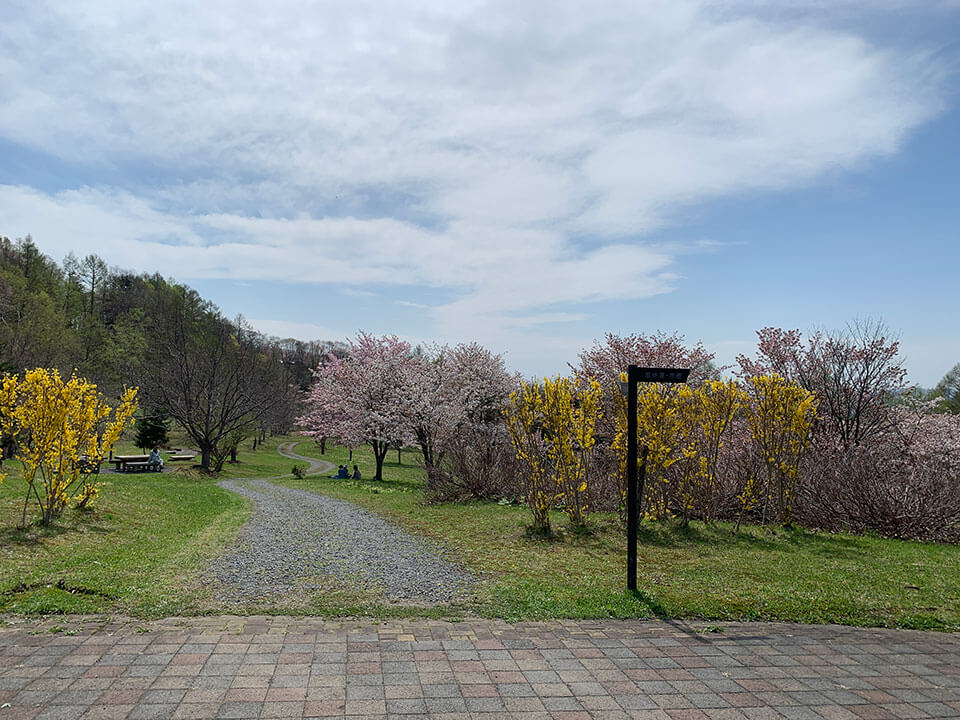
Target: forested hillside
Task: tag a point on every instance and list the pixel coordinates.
(216, 377)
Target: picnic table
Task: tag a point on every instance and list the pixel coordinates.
(134, 463)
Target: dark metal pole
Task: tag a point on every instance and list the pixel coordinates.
(643, 476)
(632, 477)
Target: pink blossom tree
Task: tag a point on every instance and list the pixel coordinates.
(429, 410)
(903, 482)
(607, 359)
(363, 396)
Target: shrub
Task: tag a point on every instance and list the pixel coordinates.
(903, 483)
(552, 428)
(56, 423)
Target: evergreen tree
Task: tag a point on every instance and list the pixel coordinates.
(152, 430)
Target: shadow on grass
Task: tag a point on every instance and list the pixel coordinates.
(60, 585)
(36, 534)
(672, 535)
(650, 603)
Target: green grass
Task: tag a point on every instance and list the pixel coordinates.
(144, 546)
(262, 462)
(702, 571)
(140, 550)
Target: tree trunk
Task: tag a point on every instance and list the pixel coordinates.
(399, 459)
(323, 446)
(423, 440)
(233, 454)
(379, 452)
(205, 458)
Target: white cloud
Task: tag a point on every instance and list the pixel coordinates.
(465, 146)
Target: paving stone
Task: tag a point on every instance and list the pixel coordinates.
(276, 667)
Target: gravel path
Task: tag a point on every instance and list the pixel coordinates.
(303, 540)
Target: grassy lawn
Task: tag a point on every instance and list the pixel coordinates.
(264, 462)
(144, 547)
(703, 571)
(132, 552)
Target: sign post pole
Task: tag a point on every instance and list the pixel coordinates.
(634, 484)
(632, 501)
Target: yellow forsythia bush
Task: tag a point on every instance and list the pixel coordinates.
(683, 429)
(552, 426)
(524, 422)
(56, 423)
(781, 417)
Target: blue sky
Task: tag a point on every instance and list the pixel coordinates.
(529, 175)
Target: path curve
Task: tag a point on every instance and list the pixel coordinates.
(316, 464)
(300, 540)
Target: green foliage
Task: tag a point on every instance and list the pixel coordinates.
(947, 392)
(83, 317)
(299, 471)
(152, 430)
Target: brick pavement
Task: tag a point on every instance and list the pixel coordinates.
(282, 667)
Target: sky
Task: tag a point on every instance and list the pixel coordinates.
(527, 175)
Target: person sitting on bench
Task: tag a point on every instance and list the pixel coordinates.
(155, 460)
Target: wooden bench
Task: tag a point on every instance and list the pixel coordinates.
(182, 456)
(134, 463)
(141, 467)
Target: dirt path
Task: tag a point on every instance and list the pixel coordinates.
(316, 465)
(300, 540)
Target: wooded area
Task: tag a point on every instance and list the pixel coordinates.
(216, 377)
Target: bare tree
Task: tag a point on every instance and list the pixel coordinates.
(217, 379)
(854, 374)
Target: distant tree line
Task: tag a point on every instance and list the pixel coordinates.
(215, 377)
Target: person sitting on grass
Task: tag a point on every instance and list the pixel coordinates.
(356, 473)
(155, 459)
(341, 473)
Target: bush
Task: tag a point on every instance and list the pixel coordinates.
(61, 427)
(299, 471)
(479, 463)
(902, 483)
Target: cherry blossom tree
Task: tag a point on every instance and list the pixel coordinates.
(362, 396)
(429, 407)
(607, 359)
(455, 398)
(902, 482)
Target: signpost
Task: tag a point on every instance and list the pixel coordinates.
(634, 493)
